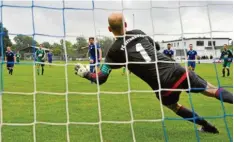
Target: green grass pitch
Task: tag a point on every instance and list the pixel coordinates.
(82, 108)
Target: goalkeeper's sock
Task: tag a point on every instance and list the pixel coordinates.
(42, 70)
(186, 113)
(224, 95)
(223, 72)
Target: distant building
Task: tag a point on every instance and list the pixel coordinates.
(28, 53)
(32, 49)
(203, 46)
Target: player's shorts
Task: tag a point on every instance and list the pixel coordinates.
(192, 64)
(197, 85)
(227, 63)
(10, 64)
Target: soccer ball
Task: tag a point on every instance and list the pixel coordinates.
(87, 67)
(84, 68)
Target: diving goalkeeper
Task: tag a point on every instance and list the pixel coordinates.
(140, 48)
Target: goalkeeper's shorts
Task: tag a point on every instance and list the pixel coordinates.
(196, 84)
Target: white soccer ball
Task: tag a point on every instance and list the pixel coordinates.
(87, 67)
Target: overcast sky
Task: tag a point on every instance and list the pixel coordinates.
(148, 16)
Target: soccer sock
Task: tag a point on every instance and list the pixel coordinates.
(223, 71)
(225, 95)
(124, 70)
(228, 71)
(11, 71)
(38, 71)
(186, 113)
(42, 70)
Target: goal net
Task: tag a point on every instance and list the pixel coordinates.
(60, 106)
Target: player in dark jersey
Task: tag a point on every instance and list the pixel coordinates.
(141, 48)
(168, 52)
(227, 57)
(10, 60)
(50, 57)
(192, 55)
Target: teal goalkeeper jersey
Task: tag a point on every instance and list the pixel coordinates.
(226, 55)
(40, 55)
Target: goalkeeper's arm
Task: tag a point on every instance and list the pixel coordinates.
(101, 76)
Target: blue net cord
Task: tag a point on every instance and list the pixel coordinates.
(1, 70)
(223, 107)
(217, 77)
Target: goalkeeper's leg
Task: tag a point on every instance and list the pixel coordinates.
(199, 85)
(218, 93)
(171, 102)
(192, 117)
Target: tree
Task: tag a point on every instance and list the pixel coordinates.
(69, 47)
(6, 40)
(81, 42)
(68, 44)
(46, 45)
(23, 41)
(56, 49)
(105, 44)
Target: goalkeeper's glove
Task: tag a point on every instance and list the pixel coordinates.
(81, 70)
